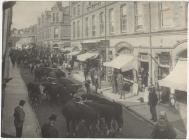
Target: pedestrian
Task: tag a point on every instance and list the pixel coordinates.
(96, 80)
(85, 71)
(92, 72)
(19, 116)
(48, 129)
(120, 83)
(152, 102)
(163, 129)
(87, 86)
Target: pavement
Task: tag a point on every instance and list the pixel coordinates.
(177, 117)
(14, 92)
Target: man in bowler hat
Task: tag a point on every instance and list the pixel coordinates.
(19, 116)
(48, 129)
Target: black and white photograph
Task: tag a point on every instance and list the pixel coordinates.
(94, 69)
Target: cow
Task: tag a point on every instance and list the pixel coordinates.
(74, 112)
(34, 93)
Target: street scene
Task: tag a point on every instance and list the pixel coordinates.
(94, 69)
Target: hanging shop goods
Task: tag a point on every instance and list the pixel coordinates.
(177, 79)
(122, 62)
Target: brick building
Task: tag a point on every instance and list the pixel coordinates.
(54, 27)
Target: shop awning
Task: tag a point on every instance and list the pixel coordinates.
(123, 62)
(177, 79)
(73, 53)
(87, 55)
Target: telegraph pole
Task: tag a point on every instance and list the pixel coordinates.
(150, 42)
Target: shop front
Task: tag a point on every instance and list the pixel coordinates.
(124, 65)
(143, 71)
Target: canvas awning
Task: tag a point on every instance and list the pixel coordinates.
(177, 79)
(123, 62)
(73, 53)
(87, 55)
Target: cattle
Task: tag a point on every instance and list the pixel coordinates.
(102, 108)
(33, 93)
(74, 112)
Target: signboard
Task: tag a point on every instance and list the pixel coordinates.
(144, 57)
(164, 58)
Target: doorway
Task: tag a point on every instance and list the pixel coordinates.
(144, 73)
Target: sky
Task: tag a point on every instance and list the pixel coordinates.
(25, 13)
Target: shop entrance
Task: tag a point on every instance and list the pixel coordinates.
(144, 69)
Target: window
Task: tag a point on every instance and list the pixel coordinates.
(111, 22)
(56, 32)
(86, 27)
(78, 10)
(74, 11)
(139, 16)
(93, 25)
(57, 17)
(166, 14)
(124, 18)
(78, 28)
(53, 17)
(101, 22)
(73, 29)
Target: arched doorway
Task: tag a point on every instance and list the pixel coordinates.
(179, 51)
(123, 48)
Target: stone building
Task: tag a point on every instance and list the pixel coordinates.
(154, 33)
(54, 27)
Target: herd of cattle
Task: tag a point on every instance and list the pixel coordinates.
(52, 85)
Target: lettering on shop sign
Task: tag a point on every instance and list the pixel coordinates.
(144, 57)
(93, 5)
(164, 59)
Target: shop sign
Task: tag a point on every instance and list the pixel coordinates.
(93, 5)
(164, 59)
(144, 57)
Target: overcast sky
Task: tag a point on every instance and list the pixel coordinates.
(25, 13)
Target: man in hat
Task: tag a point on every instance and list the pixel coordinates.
(19, 116)
(152, 102)
(49, 130)
(163, 129)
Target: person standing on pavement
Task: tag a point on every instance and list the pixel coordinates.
(87, 86)
(48, 129)
(19, 116)
(96, 80)
(163, 129)
(152, 102)
(120, 83)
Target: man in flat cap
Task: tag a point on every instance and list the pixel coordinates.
(19, 116)
(152, 102)
(48, 129)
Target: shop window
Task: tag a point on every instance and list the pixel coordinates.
(124, 18)
(166, 14)
(162, 72)
(139, 16)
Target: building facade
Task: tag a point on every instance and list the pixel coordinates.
(154, 33)
(54, 27)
